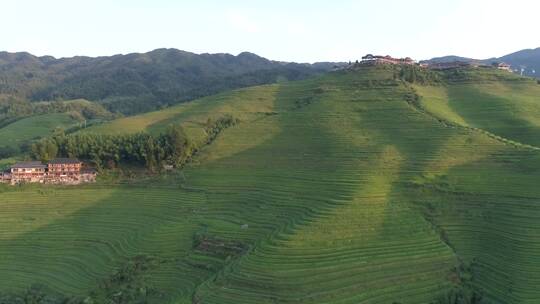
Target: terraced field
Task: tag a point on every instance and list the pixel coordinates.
(33, 127)
(510, 109)
(246, 104)
(339, 189)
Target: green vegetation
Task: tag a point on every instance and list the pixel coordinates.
(246, 105)
(12, 110)
(23, 122)
(510, 109)
(172, 148)
(416, 74)
(15, 136)
(137, 83)
(360, 186)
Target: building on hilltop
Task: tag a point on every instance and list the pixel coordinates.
(370, 59)
(502, 66)
(465, 64)
(450, 65)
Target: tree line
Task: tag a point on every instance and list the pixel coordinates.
(171, 148)
(136, 83)
(13, 109)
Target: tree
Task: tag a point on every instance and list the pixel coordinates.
(45, 149)
(177, 144)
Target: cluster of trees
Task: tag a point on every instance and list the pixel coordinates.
(107, 151)
(8, 151)
(12, 109)
(464, 292)
(415, 74)
(214, 126)
(173, 147)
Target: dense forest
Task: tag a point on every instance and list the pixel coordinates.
(136, 82)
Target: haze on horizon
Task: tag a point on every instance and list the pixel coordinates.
(303, 31)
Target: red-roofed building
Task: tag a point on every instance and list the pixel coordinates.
(376, 60)
(61, 167)
(57, 171)
(503, 66)
(28, 172)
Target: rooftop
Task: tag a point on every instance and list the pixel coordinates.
(29, 164)
(57, 161)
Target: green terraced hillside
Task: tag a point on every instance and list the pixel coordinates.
(34, 127)
(510, 108)
(354, 187)
(246, 104)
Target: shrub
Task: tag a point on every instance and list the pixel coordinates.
(8, 151)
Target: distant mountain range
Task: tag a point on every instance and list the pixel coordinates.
(137, 82)
(140, 82)
(526, 60)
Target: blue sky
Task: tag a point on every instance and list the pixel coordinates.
(302, 30)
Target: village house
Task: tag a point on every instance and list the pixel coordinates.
(64, 167)
(502, 66)
(370, 59)
(57, 171)
(28, 172)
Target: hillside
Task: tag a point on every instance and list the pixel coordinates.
(450, 58)
(23, 131)
(22, 122)
(528, 60)
(135, 83)
(353, 187)
(508, 109)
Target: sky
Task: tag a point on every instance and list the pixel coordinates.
(300, 31)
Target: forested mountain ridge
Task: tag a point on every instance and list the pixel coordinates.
(140, 82)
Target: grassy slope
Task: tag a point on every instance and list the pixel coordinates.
(246, 104)
(510, 109)
(363, 242)
(487, 208)
(33, 127)
(344, 187)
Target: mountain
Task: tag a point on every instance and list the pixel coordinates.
(353, 187)
(138, 82)
(528, 60)
(446, 59)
